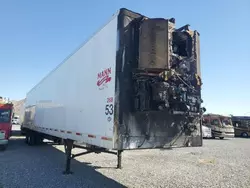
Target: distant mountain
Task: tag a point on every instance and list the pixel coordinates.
(18, 106)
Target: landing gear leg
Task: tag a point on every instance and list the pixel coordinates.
(68, 145)
(119, 159)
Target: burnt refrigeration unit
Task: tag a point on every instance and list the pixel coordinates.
(162, 64)
(168, 75)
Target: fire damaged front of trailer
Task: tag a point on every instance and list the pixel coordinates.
(158, 84)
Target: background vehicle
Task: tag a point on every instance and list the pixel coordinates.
(206, 132)
(241, 125)
(6, 110)
(221, 125)
(16, 120)
(135, 84)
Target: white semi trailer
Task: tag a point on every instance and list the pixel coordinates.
(134, 84)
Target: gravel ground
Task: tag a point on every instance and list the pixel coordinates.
(219, 163)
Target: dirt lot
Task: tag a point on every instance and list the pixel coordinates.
(219, 163)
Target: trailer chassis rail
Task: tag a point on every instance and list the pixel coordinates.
(69, 145)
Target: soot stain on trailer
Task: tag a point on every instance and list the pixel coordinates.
(150, 129)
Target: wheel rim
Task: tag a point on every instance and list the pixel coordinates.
(244, 134)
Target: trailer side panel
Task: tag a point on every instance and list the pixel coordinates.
(75, 101)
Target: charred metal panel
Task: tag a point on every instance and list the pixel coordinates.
(157, 104)
(160, 130)
(127, 53)
(154, 43)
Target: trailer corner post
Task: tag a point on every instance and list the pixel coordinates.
(68, 145)
(119, 159)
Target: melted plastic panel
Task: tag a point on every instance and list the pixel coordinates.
(148, 128)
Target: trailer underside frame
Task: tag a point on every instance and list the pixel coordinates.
(36, 138)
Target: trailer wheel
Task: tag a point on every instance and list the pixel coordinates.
(38, 140)
(58, 141)
(26, 139)
(30, 140)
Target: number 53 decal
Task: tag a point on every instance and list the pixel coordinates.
(109, 109)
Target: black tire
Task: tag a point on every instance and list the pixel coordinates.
(38, 140)
(26, 139)
(221, 138)
(245, 135)
(58, 141)
(31, 140)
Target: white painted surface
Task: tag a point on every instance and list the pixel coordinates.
(69, 99)
(206, 132)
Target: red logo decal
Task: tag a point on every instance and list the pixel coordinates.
(110, 100)
(103, 78)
